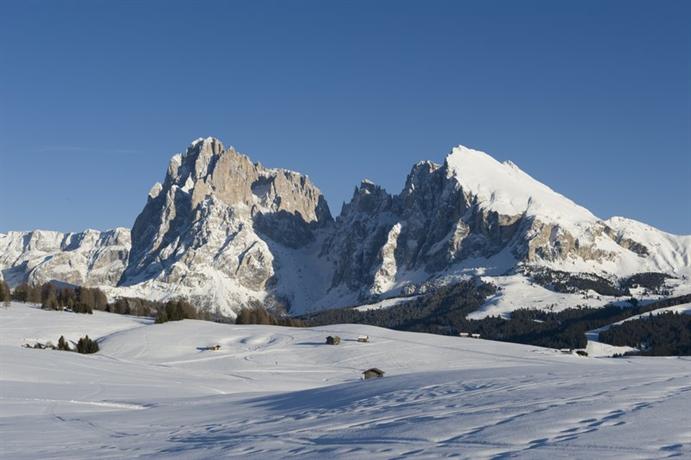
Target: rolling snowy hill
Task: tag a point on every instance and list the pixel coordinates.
(273, 392)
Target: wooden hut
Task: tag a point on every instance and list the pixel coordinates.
(333, 340)
(363, 338)
(372, 373)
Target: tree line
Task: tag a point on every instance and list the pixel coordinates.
(667, 334)
(257, 314)
(53, 297)
(445, 310)
(81, 299)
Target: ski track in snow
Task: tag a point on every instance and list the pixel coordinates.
(280, 392)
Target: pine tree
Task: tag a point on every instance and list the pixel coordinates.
(4, 291)
(161, 317)
(49, 299)
(85, 299)
(62, 344)
(20, 293)
(33, 294)
(67, 297)
(100, 299)
(87, 346)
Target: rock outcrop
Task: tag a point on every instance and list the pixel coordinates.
(208, 227)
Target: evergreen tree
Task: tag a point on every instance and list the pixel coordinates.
(49, 298)
(5, 293)
(162, 317)
(87, 346)
(85, 299)
(33, 294)
(176, 310)
(100, 299)
(67, 297)
(21, 293)
(62, 344)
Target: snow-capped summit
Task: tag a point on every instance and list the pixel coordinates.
(506, 189)
(227, 233)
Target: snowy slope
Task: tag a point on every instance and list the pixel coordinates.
(668, 253)
(279, 392)
(27, 324)
(506, 189)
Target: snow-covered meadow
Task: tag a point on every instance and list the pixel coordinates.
(273, 392)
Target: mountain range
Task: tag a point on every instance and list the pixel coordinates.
(227, 233)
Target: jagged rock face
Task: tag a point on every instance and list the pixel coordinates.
(427, 228)
(356, 240)
(89, 258)
(227, 233)
(465, 214)
(212, 219)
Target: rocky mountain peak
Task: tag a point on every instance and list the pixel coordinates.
(216, 217)
(222, 230)
(368, 198)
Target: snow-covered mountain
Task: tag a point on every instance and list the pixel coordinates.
(214, 229)
(89, 258)
(226, 233)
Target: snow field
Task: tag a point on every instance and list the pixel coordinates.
(273, 392)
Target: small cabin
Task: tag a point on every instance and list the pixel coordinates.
(475, 336)
(464, 334)
(211, 348)
(372, 373)
(333, 340)
(363, 338)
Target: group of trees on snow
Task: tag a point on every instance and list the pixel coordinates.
(176, 310)
(52, 297)
(560, 281)
(5, 293)
(445, 311)
(260, 315)
(655, 335)
(441, 312)
(85, 300)
(85, 345)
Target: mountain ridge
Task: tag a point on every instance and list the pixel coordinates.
(229, 233)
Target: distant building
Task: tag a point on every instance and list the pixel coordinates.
(373, 373)
(363, 338)
(464, 334)
(333, 340)
(475, 336)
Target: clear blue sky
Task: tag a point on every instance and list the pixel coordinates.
(592, 98)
